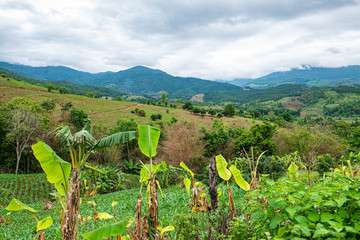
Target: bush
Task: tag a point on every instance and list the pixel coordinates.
(291, 209)
(154, 117)
(63, 90)
(272, 166)
(66, 106)
(48, 105)
(131, 167)
(141, 113)
(50, 87)
(324, 163)
(78, 118)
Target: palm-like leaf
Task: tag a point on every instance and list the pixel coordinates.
(116, 138)
(64, 134)
(85, 138)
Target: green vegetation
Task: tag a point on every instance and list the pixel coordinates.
(290, 176)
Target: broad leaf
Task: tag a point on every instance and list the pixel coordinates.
(64, 134)
(45, 223)
(144, 173)
(291, 210)
(239, 179)
(293, 167)
(16, 205)
(116, 138)
(148, 140)
(165, 229)
(221, 165)
(57, 170)
(182, 164)
(84, 137)
(275, 222)
(187, 184)
(106, 231)
(104, 215)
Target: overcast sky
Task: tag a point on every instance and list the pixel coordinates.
(211, 39)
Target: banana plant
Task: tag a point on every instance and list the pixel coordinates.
(16, 205)
(225, 174)
(148, 227)
(80, 144)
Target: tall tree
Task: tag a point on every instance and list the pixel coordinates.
(163, 98)
(25, 119)
(229, 110)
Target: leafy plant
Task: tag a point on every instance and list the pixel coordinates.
(81, 144)
(131, 167)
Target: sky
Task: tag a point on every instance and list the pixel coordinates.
(210, 39)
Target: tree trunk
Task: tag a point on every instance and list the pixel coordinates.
(69, 227)
(213, 184)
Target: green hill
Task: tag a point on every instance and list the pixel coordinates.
(136, 80)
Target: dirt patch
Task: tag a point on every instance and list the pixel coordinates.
(198, 98)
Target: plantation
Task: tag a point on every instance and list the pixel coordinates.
(106, 169)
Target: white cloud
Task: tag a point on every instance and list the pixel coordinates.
(210, 39)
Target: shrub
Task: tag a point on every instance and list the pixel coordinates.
(90, 94)
(78, 118)
(154, 117)
(48, 105)
(50, 87)
(291, 209)
(63, 90)
(66, 106)
(324, 163)
(141, 113)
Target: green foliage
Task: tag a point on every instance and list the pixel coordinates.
(67, 106)
(325, 163)
(216, 140)
(131, 167)
(259, 137)
(50, 87)
(106, 231)
(63, 90)
(49, 105)
(148, 140)
(78, 118)
(229, 110)
(119, 98)
(102, 180)
(154, 117)
(291, 209)
(188, 106)
(90, 94)
(57, 170)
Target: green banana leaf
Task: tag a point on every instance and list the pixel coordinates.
(57, 170)
(148, 140)
(182, 164)
(16, 205)
(187, 184)
(221, 165)
(45, 223)
(239, 179)
(293, 167)
(106, 231)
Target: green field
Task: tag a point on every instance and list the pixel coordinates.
(23, 225)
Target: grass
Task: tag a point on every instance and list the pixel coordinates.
(23, 225)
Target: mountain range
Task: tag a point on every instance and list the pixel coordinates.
(143, 80)
(136, 80)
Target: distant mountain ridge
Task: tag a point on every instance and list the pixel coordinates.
(136, 80)
(311, 76)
